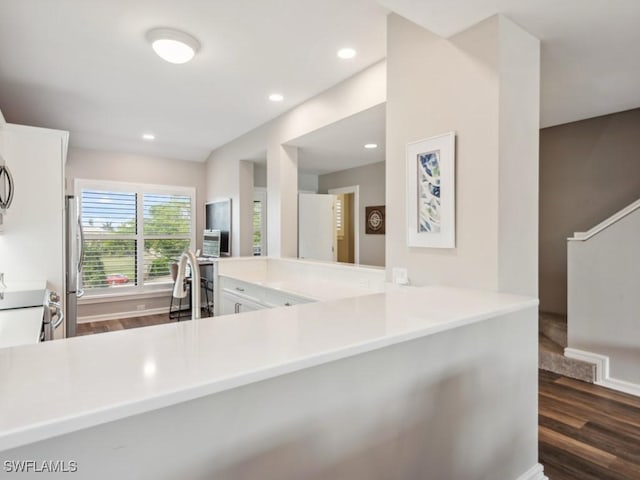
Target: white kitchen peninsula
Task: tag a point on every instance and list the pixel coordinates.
(427, 382)
(253, 283)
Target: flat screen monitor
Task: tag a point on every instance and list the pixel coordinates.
(211, 243)
(218, 217)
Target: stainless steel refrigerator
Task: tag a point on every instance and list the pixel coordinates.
(74, 250)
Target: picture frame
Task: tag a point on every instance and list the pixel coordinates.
(431, 207)
(375, 220)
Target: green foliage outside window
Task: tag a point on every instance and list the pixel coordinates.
(112, 261)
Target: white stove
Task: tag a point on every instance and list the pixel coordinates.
(28, 315)
(10, 300)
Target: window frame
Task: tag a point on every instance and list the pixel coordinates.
(139, 237)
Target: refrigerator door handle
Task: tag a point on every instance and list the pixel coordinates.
(81, 256)
(80, 291)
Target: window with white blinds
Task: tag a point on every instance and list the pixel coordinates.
(257, 227)
(133, 233)
(339, 209)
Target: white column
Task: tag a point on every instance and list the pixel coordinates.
(245, 197)
(282, 201)
(483, 84)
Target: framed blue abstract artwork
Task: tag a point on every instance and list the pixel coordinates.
(431, 206)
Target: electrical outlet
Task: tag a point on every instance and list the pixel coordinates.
(141, 306)
(399, 276)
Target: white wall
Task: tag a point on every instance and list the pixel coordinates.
(306, 181)
(360, 92)
(482, 84)
(519, 126)
(32, 244)
(245, 207)
(603, 301)
(127, 167)
(371, 180)
(124, 167)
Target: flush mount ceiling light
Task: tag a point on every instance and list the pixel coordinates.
(371, 145)
(276, 97)
(148, 136)
(172, 45)
(346, 53)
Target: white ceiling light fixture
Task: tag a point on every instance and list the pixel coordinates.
(276, 97)
(346, 53)
(173, 45)
(371, 146)
(148, 137)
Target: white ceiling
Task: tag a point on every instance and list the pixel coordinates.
(590, 57)
(340, 146)
(85, 66)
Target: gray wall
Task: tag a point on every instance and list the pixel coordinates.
(307, 182)
(588, 171)
(123, 167)
(371, 180)
(259, 175)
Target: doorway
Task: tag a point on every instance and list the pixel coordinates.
(347, 223)
(344, 228)
(259, 222)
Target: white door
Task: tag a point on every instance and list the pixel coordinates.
(317, 227)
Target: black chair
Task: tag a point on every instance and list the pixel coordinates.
(178, 313)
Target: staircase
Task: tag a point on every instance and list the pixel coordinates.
(552, 339)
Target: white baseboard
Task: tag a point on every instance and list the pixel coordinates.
(534, 473)
(601, 361)
(118, 315)
(603, 377)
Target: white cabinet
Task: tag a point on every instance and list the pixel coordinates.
(232, 303)
(33, 238)
(237, 296)
(277, 298)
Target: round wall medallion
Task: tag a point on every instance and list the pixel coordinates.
(375, 220)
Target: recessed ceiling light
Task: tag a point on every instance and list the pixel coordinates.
(148, 136)
(276, 97)
(371, 145)
(172, 45)
(346, 53)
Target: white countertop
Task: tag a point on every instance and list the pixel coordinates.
(312, 279)
(311, 288)
(101, 378)
(21, 326)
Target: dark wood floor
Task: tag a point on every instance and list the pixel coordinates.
(121, 324)
(586, 432)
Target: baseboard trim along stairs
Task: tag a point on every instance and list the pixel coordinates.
(534, 473)
(603, 376)
(552, 357)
